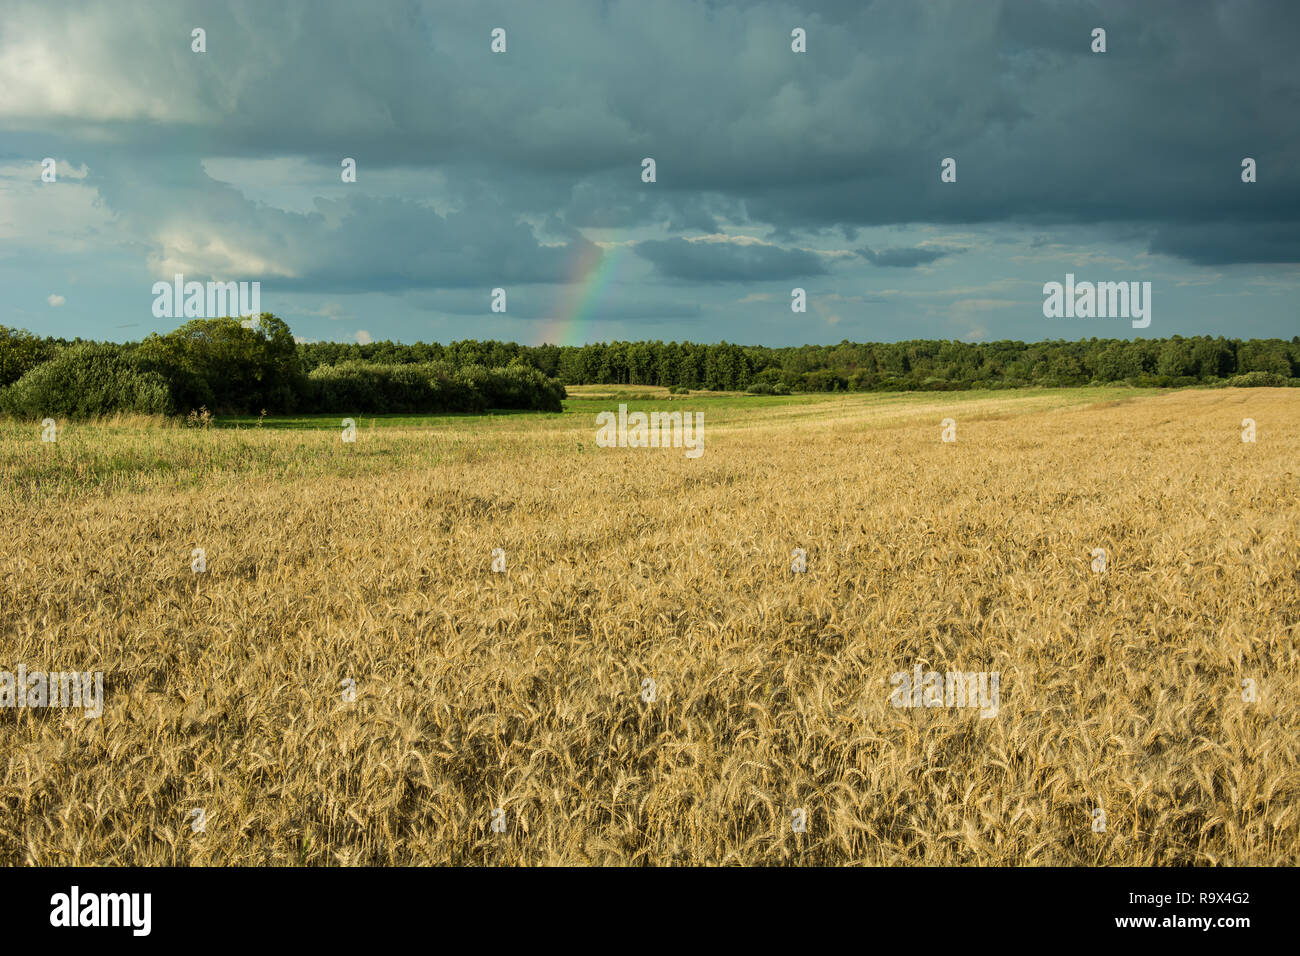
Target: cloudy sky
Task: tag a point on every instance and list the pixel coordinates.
(774, 169)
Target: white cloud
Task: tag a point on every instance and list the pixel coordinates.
(186, 253)
(733, 240)
(72, 66)
(363, 336)
(65, 216)
(56, 300)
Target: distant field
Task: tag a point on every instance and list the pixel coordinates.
(138, 453)
(1159, 691)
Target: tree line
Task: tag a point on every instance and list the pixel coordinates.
(893, 366)
(234, 367)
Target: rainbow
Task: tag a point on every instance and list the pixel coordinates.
(582, 293)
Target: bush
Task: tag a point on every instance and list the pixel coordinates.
(761, 388)
(516, 386)
(678, 390)
(189, 390)
(824, 380)
(357, 386)
(87, 380)
(1257, 380)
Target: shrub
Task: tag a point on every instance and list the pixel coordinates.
(521, 386)
(87, 380)
(1257, 380)
(189, 389)
(357, 386)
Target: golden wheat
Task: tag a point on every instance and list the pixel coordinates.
(1121, 691)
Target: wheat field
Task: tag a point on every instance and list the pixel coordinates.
(349, 682)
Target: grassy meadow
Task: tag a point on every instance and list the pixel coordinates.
(1160, 691)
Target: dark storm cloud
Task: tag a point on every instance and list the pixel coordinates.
(1226, 243)
(903, 258)
(621, 200)
(389, 245)
(727, 262)
(694, 220)
(1153, 131)
(1144, 139)
(358, 243)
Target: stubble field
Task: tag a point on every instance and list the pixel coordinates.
(1160, 691)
